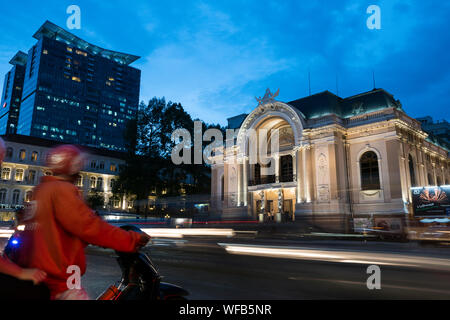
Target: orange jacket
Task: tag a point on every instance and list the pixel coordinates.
(59, 226)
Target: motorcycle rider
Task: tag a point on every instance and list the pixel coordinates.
(59, 225)
(17, 282)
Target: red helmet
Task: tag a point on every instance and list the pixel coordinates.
(2, 150)
(65, 160)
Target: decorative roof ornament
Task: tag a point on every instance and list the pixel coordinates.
(358, 108)
(268, 97)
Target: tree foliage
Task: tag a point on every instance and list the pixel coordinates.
(148, 160)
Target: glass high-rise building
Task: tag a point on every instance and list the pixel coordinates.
(77, 92)
(12, 93)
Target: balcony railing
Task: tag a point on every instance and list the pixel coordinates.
(272, 179)
(262, 180)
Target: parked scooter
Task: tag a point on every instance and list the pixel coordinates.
(140, 279)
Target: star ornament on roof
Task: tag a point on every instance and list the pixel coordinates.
(268, 97)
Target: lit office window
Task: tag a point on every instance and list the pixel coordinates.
(34, 156)
(81, 53)
(76, 79)
(113, 167)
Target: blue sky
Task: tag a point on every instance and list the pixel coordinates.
(215, 56)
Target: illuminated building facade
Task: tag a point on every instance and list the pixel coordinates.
(339, 159)
(24, 165)
(77, 92)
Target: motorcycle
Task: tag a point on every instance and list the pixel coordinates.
(140, 279)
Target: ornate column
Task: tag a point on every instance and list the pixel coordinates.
(239, 181)
(263, 202)
(245, 180)
(297, 175)
(280, 200)
(277, 167)
(307, 178)
(403, 172)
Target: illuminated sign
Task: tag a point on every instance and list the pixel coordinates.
(431, 201)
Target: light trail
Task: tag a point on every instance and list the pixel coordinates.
(338, 256)
(6, 233)
(181, 232)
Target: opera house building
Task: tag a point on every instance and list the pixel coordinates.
(339, 160)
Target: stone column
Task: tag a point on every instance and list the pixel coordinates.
(308, 174)
(239, 181)
(277, 167)
(245, 181)
(296, 175)
(403, 173)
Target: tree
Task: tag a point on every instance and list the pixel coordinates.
(95, 200)
(149, 145)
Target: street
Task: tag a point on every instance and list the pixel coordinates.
(211, 271)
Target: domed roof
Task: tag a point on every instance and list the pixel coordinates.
(325, 103)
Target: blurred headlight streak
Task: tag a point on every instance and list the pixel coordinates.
(179, 233)
(330, 255)
(5, 233)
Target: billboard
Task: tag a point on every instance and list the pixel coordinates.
(431, 201)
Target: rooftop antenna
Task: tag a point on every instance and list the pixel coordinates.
(337, 85)
(309, 81)
(373, 79)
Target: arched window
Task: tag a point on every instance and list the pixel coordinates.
(48, 173)
(6, 173)
(411, 171)
(370, 177)
(22, 155)
(286, 171)
(3, 196)
(28, 196)
(438, 181)
(19, 175)
(31, 176)
(79, 181)
(93, 181)
(9, 153)
(15, 197)
(430, 180)
(100, 183)
(34, 156)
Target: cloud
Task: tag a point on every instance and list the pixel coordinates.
(206, 72)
